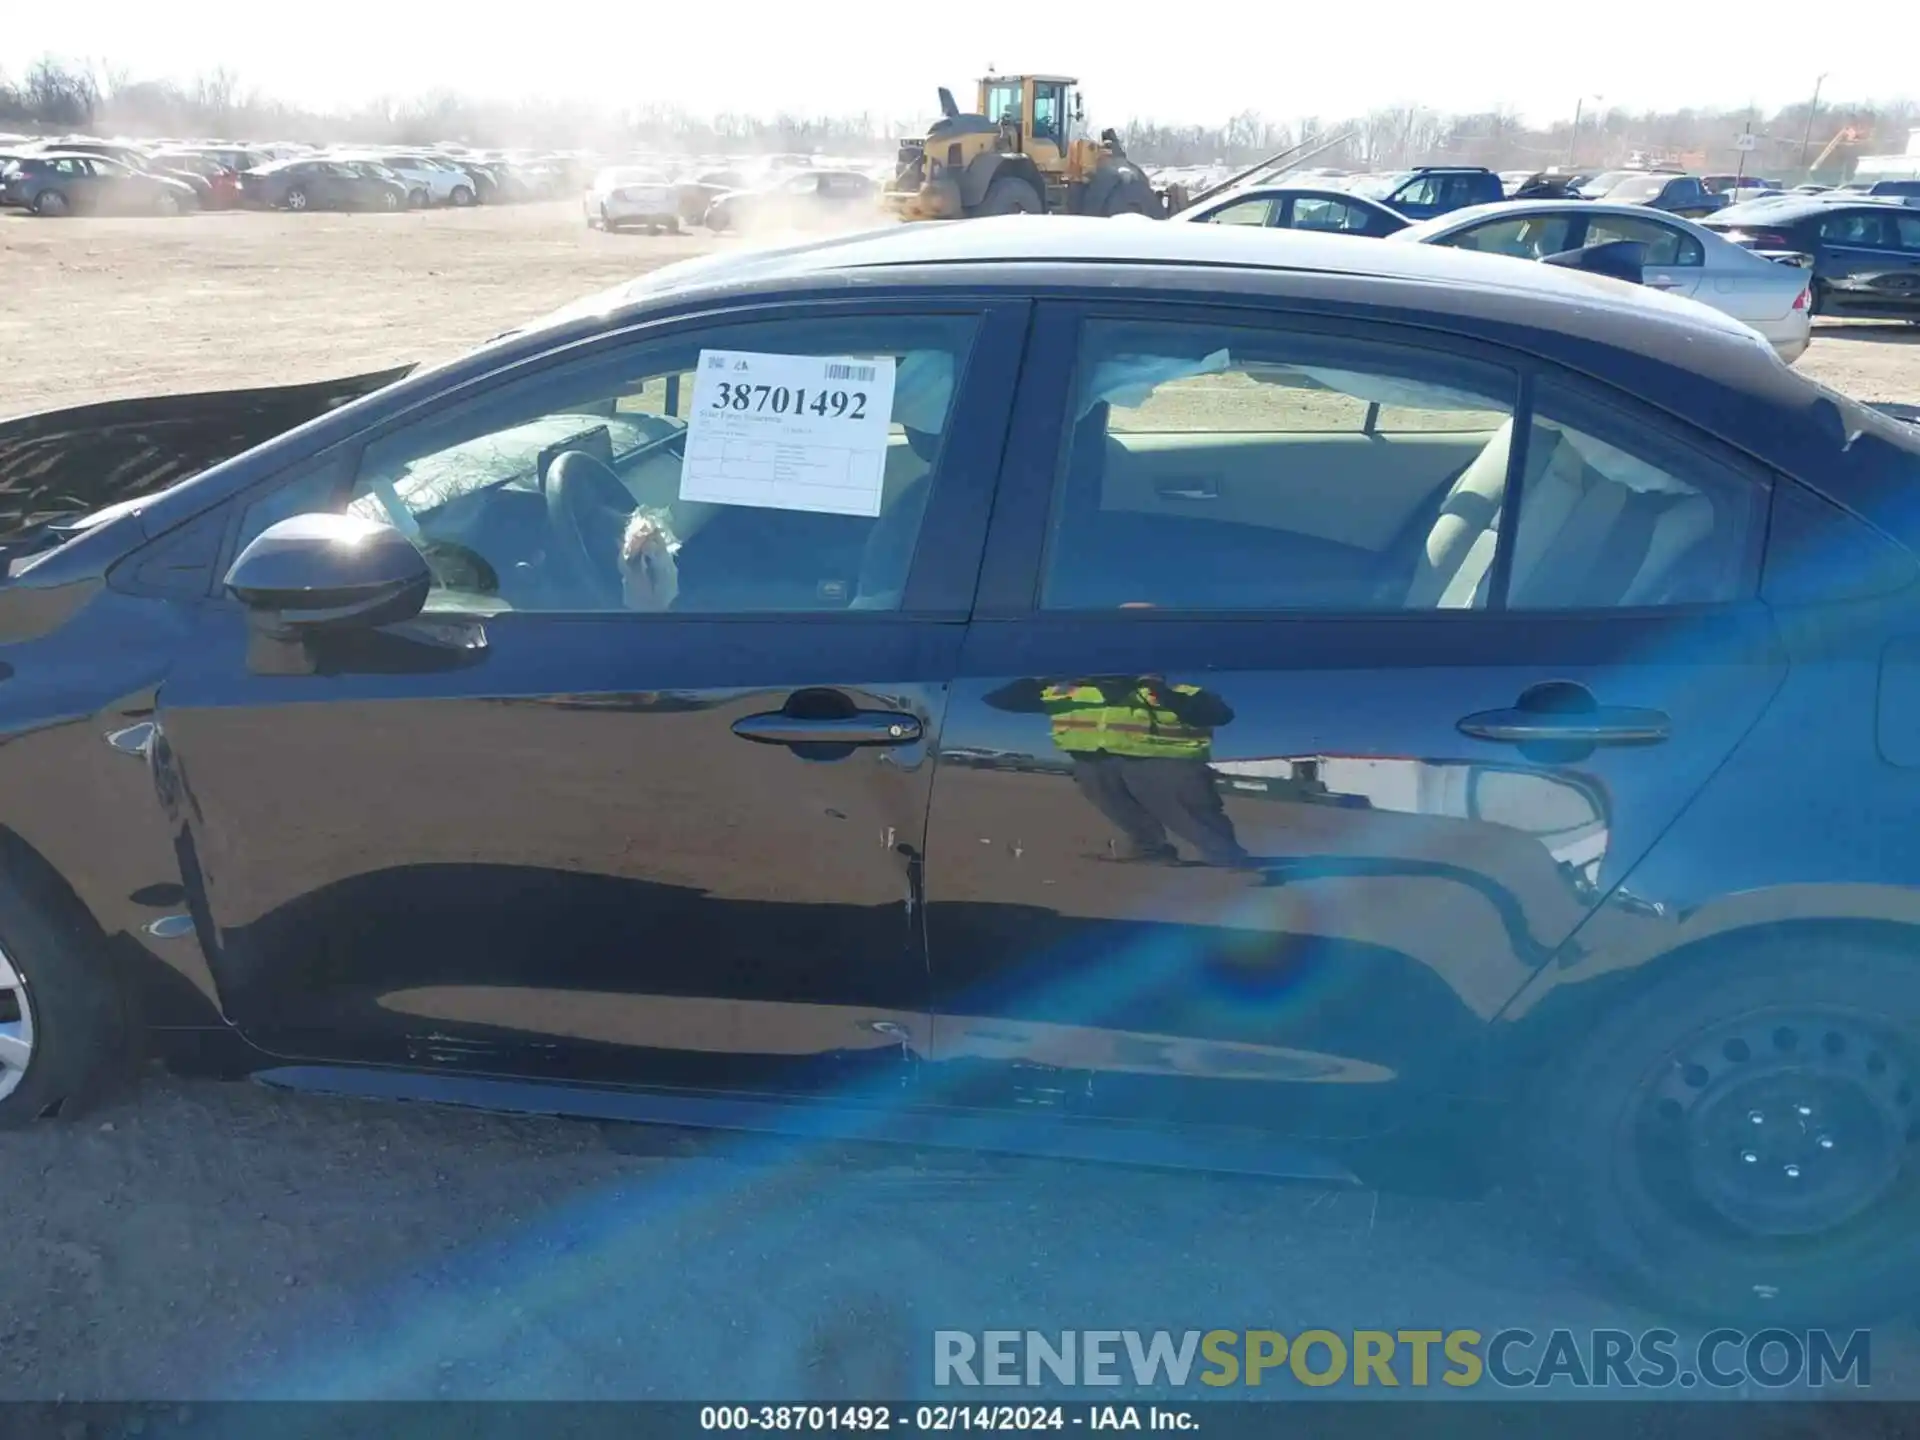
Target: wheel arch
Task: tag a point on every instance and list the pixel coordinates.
(1556, 1008)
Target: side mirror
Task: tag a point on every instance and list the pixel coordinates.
(316, 573)
(1619, 259)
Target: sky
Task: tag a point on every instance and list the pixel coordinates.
(1196, 62)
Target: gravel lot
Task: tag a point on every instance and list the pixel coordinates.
(195, 1240)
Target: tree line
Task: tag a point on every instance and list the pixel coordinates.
(53, 97)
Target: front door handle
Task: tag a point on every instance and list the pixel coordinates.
(862, 727)
(1603, 725)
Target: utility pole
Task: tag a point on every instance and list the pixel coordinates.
(1573, 140)
(1807, 138)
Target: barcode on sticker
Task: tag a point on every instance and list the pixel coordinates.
(852, 372)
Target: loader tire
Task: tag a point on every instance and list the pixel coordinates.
(1010, 195)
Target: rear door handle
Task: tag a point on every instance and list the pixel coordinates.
(1605, 725)
(863, 727)
(1194, 487)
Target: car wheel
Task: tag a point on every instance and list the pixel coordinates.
(166, 203)
(1010, 195)
(1131, 200)
(390, 200)
(673, 227)
(417, 199)
(461, 196)
(296, 199)
(63, 1025)
(1817, 302)
(1742, 1140)
(51, 203)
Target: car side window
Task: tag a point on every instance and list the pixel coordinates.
(1907, 227)
(1227, 468)
(1666, 244)
(1615, 514)
(1317, 213)
(1528, 237)
(570, 487)
(1857, 228)
(1245, 212)
(1423, 191)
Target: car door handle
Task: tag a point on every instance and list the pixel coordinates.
(1203, 487)
(1605, 725)
(863, 727)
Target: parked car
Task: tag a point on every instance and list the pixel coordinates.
(1677, 256)
(1676, 194)
(1429, 190)
(1292, 207)
(1901, 189)
(1369, 829)
(223, 184)
(321, 184)
(804, 197)
(627, 195)
(1865, 254)
(429, 179)
(54, 184)
(134, 158)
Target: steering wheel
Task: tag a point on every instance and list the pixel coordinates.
(587, 512)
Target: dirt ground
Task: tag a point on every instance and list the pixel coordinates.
(193, 1240)
(97, 309)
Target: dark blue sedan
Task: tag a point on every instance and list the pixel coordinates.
(1865, 253)
(1140, 692)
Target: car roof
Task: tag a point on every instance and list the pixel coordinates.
(1260, 191)
(1077, 247)
(1495, 209)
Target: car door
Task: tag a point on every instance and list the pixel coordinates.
(1861, 267)
(1277, 763)
(1675, 261)
(642, 794)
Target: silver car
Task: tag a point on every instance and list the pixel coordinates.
(1682, 258)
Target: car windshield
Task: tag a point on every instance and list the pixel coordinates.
(1638, 187)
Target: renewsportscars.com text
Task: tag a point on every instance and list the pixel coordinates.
(1513, 1358)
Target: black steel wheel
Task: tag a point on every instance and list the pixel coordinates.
(1741, 1140)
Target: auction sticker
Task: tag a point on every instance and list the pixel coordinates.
(789, 432)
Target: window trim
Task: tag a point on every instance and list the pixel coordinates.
(940, 579)
(1014, 570)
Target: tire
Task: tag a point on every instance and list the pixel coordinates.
(52, 203)
(1649, 1160)
(58, 1000)
(462, 196)
(390, 200)
(1817, 302)
(166, 203)
(1010, 195)
(1131, 200)
(295, 199)
(418, 199)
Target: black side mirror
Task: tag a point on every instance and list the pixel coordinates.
(316, 573)
(1619, 259)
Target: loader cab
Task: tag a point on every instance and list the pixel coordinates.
(1036, 111)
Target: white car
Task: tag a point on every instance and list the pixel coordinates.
(430, 180)
(1682, 258)
(627, 195)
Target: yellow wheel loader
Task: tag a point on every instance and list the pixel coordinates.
(1021, 152)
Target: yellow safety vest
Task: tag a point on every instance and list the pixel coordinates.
(1085, 722)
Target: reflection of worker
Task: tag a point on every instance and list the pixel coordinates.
(1140, 748)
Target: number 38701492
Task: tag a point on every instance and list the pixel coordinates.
(791, 400)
